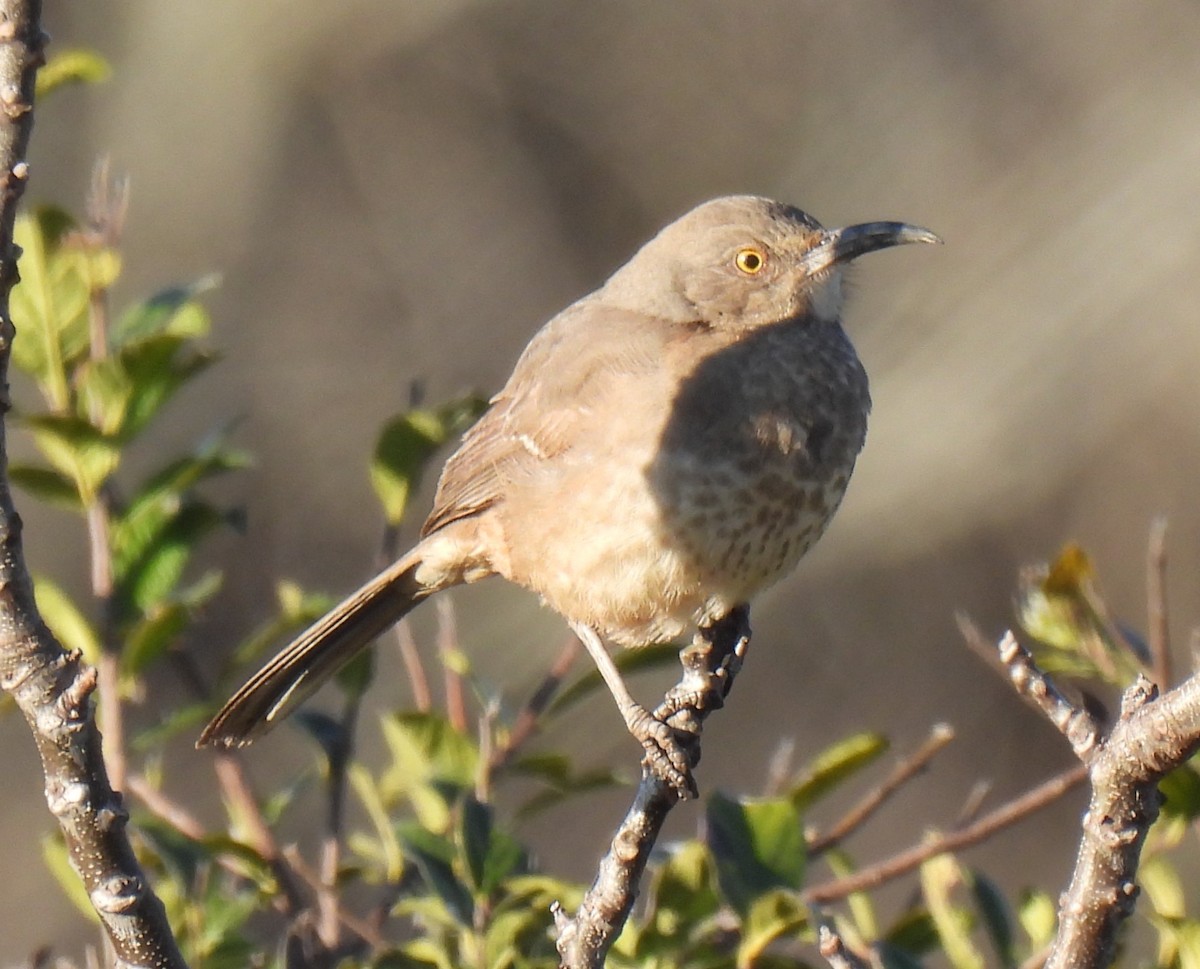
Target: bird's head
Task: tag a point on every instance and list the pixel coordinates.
(744, 261)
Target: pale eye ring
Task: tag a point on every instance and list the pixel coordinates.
(750, 260)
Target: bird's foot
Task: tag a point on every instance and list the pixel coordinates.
(666, 757)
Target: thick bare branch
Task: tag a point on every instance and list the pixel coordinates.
(53, 687)
(1153, 736)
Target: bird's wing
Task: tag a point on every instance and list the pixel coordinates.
(543, 408)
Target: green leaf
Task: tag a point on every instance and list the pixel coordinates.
(77, 449)
(940, 875)
(151, 636)
(127, 390)
(893, 957)
(1038, 916)
(172, 312)
(49, 305)
(46, 484)
(405, 446)
(628, 661)
(771, 915)
(368, 795)
(72, 66)
(175, 722)
(1162, 884)
(150, 577)
(297, 610)
(834, 765)
(433, 856)
(997, 918)
(556, 772)
(1181, 788)
(356, 676)
(425, 746)
(757, 846)
(474, 837)
(913, 932)
(65, 620)
(862, 909)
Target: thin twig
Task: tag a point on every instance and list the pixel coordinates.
(448, 648)
(904, 771)
(1074, 722)
(902, 863)
(1158, 626)
(833, 948)
(231, 775)
(107, 206)
(174, 813)
(526, 721)
(411, 657)
(363, 929)
(389, 551)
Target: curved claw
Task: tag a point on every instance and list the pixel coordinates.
(665, 757)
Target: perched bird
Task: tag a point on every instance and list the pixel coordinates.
(666, 447)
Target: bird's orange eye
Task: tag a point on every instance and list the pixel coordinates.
(750, 260)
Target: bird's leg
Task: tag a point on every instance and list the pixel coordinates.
(665, 756)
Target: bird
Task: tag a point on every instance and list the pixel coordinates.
(665, 449)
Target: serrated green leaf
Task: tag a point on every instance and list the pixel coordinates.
(153, 575)
(157, 368)
(628, 661)
(76, 449)
(940, 876)
(757, 846)
(68, 624)
(49, 305)
(72, 66)
(834, 765)
(46, 484)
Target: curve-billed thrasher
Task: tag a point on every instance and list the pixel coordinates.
(665, 448)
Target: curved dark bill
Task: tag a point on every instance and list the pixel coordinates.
(842, 245)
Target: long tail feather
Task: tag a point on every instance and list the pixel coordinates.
(297, 671)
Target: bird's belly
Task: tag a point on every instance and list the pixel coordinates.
(644, 566)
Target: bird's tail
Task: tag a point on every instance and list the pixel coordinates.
(298, 670)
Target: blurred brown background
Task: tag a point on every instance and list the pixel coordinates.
(406, 191)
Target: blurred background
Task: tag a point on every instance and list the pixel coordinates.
(399, 192)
